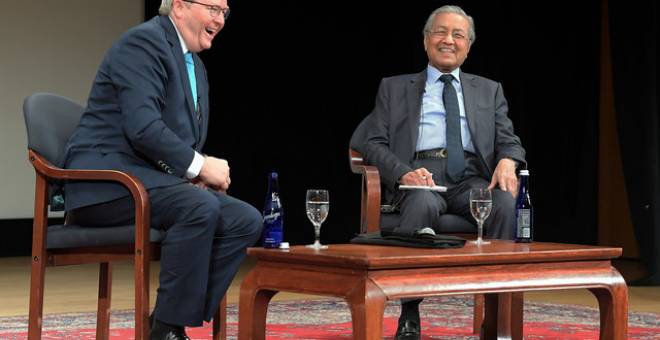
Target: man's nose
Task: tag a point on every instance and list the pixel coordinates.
(220, 20)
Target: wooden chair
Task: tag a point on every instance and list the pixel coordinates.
(50, 120)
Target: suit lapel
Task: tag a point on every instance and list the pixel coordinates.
(414, 92)
(481, 136)
(469, 88)
(173, 39)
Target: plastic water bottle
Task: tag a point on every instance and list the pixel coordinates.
(524, 212)
(273, 215)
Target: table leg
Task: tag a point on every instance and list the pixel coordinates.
(478, 313)
(503, 317)
(252, 309)
(613, 306)
(367, 306)
(494, 314)
(517, 319)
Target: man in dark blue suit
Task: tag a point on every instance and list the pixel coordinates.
(147, 115)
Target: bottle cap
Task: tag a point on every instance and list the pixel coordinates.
(524, 172)
(284, 245)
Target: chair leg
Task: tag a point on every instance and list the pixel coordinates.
(478, 317)
(105, 293)
(142, 326)
(220, 321)
(36, 297)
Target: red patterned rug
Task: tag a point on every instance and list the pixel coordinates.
(443, 318)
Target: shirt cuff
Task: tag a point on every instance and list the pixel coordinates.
(196, 166)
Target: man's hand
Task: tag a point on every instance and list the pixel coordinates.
(505, 176)
(215, 173)
(419, 176)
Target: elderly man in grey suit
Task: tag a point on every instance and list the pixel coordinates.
(443, 127)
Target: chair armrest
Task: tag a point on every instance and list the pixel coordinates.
(370, 203)
(355, 159)
(45, 170)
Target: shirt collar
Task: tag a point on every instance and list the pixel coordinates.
(184, 48)
(433, 74)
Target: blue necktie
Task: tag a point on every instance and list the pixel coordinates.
(455, 156)
(190, 64)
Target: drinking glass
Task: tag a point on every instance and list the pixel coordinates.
(481, 203)
(318, 205)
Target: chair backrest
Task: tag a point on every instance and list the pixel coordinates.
(359, 135)
(50, 121)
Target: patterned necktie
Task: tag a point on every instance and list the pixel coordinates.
(190, 64)
(455, 156)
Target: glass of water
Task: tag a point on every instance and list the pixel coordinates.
(317, 204)
(481, 203)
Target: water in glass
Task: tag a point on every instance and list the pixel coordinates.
(480, 209)
(317, 206)
(317, 212)
(481, 203)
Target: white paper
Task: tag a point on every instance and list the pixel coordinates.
(438, 188)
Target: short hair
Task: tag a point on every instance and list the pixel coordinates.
(165, 7)
(448, 9)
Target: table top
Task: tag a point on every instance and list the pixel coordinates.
(361, 256)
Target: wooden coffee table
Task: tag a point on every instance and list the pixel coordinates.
(367, 276)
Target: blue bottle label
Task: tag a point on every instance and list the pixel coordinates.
(273, 227)
(273, 232)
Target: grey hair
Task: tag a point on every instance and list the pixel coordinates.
(448, 9)
(165, 7)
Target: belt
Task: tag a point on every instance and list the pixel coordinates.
(431, 154)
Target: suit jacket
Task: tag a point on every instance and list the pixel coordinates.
(391, 131)
(140, 116)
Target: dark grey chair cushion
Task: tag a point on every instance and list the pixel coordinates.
(50, 121)
(72, 236)
(359, 136)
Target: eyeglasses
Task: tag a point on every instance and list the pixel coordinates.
(213, 10)
(441, 34)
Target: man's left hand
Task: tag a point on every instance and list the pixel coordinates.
(505, 176)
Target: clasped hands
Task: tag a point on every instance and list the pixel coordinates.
(504, 177)
(214, 174)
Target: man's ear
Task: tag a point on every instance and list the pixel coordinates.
(177, 6)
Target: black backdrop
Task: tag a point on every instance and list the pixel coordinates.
(290, 80)
(636, 101)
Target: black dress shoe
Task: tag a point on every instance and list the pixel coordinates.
(408, 330)
(162, 331)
